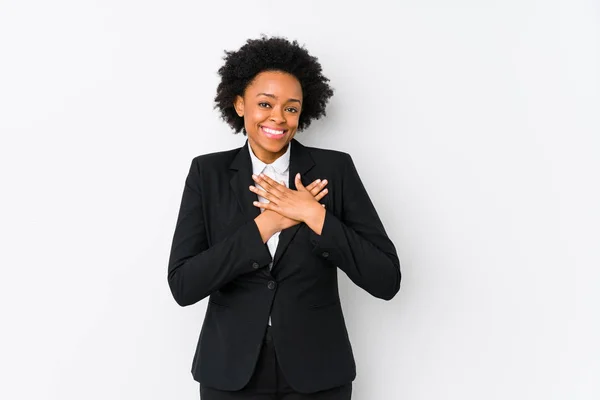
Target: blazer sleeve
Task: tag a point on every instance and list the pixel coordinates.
(357, 243)
(196, 270)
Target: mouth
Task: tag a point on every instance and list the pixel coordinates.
(273, 133)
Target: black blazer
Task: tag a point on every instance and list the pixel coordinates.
(217, 251)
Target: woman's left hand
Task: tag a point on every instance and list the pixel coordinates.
(295, 204)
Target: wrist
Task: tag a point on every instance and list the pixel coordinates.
(309, 213)
(316, 218)
(279, 221)
(268, 223)
(276, 220)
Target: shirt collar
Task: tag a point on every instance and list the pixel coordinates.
(281, 165)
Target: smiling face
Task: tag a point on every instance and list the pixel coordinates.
(271, 108)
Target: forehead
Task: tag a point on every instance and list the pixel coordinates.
(281, 84)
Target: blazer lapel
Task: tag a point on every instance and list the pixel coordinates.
(300, 162)
(240, 181)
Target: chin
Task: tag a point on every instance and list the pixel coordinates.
(274, 147)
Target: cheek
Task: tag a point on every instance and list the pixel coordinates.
(253, 118)
(259, 113)
(292, 118)
(293, 121)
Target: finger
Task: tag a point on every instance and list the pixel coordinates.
(265, 206)
(313, 185)
(299, 185)
(322, 194)
(270, 181)
(269, 196)
(267, 183)
(319, 188)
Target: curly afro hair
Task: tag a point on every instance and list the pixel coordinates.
(271, 54)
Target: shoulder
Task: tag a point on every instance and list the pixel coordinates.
(328, 156)
(338, 165)
(217, 160)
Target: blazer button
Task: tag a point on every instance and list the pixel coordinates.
(255, 265)
(325, 254)
(271, 285)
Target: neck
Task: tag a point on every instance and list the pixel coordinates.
(266, 156)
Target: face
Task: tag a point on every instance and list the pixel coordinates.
(271, 109)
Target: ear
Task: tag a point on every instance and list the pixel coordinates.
(238, 104)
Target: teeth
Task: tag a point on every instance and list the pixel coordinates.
(272, 131)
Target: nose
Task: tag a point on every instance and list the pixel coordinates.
(277, 115)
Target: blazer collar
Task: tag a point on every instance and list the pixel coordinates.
(281, 165)
(241, 167)
(300, 162)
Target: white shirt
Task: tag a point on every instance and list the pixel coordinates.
(279, 171)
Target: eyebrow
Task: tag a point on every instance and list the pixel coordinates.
(275, 97)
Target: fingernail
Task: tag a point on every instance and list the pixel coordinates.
(318, 180)
(253, 176)
(298, 175)
(324, 180)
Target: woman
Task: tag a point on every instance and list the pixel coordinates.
(262, 231)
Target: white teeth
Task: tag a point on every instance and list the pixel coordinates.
(272, 131)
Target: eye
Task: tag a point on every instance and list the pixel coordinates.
(292, 110)
(264, 105)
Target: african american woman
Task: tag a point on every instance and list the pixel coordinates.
(262, 231)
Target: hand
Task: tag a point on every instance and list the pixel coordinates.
(299, 205)
(270, 222)
(316, 188)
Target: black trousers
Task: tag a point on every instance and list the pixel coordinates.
(268, 383)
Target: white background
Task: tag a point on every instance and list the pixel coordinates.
(474, 126)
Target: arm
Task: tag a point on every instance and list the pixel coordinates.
(196, 270)
(358, 243)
